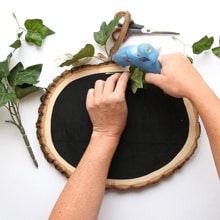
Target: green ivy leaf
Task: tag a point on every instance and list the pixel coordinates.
(19, 34)
(136, 79)
(132, 68)
(20, 76)
(36, 31)
(4, 68)
(87, 51)
(5, 96)
(16, 44)
(14, 71)
(203, 44)
(23, 91)
(105, 31)
(216, 51)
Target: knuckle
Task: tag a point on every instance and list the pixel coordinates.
(90, 90)
(119, 98)
(89, 106)
(98, 102)
(106, 101)
(113, 77)
(110, 79)
(99, 82)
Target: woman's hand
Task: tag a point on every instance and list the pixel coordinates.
(178, 77)
(107, 106)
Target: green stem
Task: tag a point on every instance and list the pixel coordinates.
(27, 143)
(19, 26)
(11, 113)
(12, 122)
(182, 43)
(16, 120)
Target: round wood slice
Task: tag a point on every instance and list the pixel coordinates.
(160, 135)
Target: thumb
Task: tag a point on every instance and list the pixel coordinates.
(153, 78)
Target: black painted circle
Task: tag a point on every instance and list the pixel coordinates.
(157, 128)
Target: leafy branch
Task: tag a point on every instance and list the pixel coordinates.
(17, 82)
(102, 38)
(202, 45)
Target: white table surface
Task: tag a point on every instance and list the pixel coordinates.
(27, 193)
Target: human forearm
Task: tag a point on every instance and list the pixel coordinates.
(208, 107)
(83, 193)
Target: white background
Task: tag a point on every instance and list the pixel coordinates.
(27, 193)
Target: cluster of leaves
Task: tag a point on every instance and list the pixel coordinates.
(101, 37)
(17, 82)
(137, 75)
(88, 51)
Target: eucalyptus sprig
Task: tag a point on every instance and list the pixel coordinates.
(17, 82)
